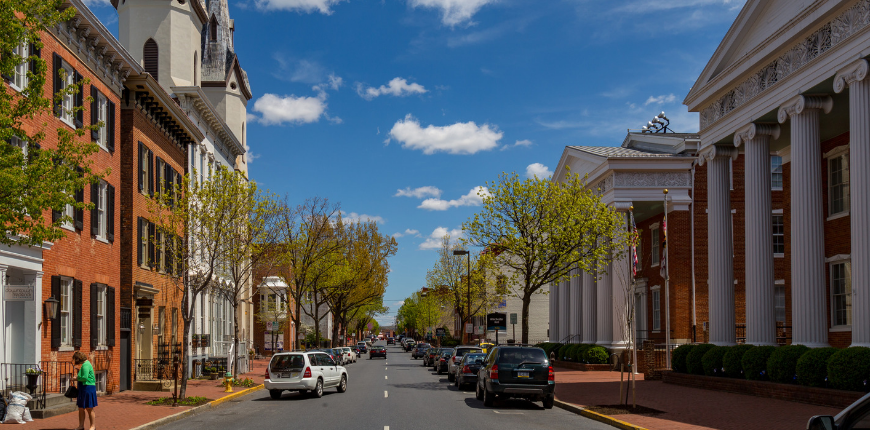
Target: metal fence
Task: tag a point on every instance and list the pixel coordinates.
(783, 333)
(150, 369)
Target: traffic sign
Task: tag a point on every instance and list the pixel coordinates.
(469, 328)
(513, 318)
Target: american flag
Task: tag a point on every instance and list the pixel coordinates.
(634, 238)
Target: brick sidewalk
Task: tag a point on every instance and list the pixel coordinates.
(685, 407)
(127, 409)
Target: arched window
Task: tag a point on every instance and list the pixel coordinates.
(150, 57)
(195, 68)
(212, 29)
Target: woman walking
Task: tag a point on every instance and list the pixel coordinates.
(87, 399)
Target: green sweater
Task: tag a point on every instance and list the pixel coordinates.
(86, 374)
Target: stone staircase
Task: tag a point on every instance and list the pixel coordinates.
(55, 404)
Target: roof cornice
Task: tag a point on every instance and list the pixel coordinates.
(195, 98)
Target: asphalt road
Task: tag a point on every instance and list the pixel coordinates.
(397, 393)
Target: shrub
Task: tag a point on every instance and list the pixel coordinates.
(693, 360)
(849, 369)
(568, 352)
(812, 367)
(580, 352)
(563, 351)
(732, 360)
(781, 364)
(678, 357)
(755, 362)
(596, 355)
(711, 361)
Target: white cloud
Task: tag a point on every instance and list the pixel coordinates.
(473, 198)
(539, 170)
(278, 110)
(308, 6)
(250, 156)
(459, 138)
(332, 83)
(453, 12)
(354, 217)
(434, 239)
(408, 232)
(419, 193)
(670, 98)
(398, 87)
(524, 142)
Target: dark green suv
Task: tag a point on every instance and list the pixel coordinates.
(516, 371)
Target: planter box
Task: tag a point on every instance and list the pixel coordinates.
(795, 393)
(583, 366)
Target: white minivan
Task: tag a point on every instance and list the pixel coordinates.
(305, 372)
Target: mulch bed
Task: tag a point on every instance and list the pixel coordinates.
(623, 409)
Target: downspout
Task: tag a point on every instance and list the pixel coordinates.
(692, 222)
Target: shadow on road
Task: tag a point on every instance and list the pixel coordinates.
(291, 397)
(421, 386)
(512, 404)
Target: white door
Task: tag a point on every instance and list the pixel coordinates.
(330, 371)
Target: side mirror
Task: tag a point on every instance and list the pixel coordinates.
(821, 422)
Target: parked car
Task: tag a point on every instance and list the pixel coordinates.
(439, 364)
(453, 362)
(409, 346)
(391, 341)
(338, 355)
(356, 351)
(854, 417)
(516, 371)
(429, 357)
(378, 351)
(350, 356)
(466, 371)
(419, 350)
(305, 372)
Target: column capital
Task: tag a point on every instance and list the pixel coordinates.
(713, 151)
(850, 74)
(800, 103)
(622, 206)
(753, 129)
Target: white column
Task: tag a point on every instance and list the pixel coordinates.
(620, 286)
(859, 194)
(604, 313)
(553, 299)
(720, 250)
(565, 321)
(33, 328)
(4, 354)
(589, 305)
(808, 299)
(760, 306)
(576, 302)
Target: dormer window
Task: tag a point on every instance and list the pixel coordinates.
(150, 56)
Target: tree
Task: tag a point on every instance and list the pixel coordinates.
(539, 230)
(36, 179)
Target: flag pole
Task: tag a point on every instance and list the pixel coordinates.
(667, 288)
(633, 256)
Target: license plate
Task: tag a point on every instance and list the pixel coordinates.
(522, 374)
(290, 375)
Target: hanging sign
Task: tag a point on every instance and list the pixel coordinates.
(496, 321)
(18, 293)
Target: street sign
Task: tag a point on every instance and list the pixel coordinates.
(496, 321)
(18, 293)
(469, 327)
(513, 318)
(481, 329)
(440, 332)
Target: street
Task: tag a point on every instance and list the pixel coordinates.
(394, 394)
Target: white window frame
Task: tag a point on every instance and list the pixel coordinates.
(779, 293)
(102, 210)
(101, 376)
(846, 265)
(69, 211)
(656, 295)
(655, 250)
(22, 145)
(66, 114)
(842, 154)
(773, 224)
(102, 116)
(65, 314)
(101, 315)
(774, 173)
(19, 78)
(144, 174)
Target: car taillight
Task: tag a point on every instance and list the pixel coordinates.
(267, 373)
(552, 375)
(493, 373)
(442, 359)
(307, 373)
(455, 359)
(465, 369)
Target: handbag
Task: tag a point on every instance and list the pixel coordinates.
(72, 392)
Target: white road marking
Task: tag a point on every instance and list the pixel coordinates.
(386, 368)
(385, 376)
(386, 394)
(386, 427)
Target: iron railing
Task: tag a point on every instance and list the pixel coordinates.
(13, 377)
(783, 333)
(151, 369)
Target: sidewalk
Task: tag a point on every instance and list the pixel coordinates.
(684, 407)
(127, 409)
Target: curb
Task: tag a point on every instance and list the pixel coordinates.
(197, 410)
(570, 407)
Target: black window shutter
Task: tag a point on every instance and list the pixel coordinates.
(55, 322)
(158, 173)
(151, 250)
(95, 219)
(110, 126)
(110, 213)
(77, 313)
(58, 82)
(79, 100)
(170, 184)
(95, 116)
(167, 253)
(150, 173)
(179, 255)
(158, 249)
(79, 213)
(55, 215)
(94, 292)
(34, 53)
(139, 231)
(110, 316)
(140, 158)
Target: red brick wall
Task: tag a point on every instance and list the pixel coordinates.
(838, 239)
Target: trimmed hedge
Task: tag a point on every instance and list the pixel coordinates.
(812, 367)
(571, 352)
(732, 360)
(711, 361)
(580, 352)
(849, 369)
(678, 357)
(596, 355)
(693, 361)
(782, 363)
(755, 362)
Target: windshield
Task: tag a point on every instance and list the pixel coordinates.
(522, 355)
(462, 352)
(285, 362)
(447, 353)
(475, 358)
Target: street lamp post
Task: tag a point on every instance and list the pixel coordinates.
(468, 290)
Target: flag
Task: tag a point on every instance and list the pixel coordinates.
(634, 237)
(663, 269)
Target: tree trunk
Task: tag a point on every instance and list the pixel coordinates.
(185, 366)
(316, 321)
(297, 320)
(527, 299)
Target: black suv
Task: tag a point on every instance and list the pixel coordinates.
(516, 371)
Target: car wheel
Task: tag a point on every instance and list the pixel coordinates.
(342, 386)
(318, 389)
(548, 402)
(451, 377)
(488, 398)
(439, 370)
(477, 394)
(275, 394)
(455, 382)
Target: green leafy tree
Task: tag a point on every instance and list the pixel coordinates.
(34, 181)
(539, 230)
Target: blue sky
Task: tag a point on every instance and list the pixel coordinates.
(401, 109)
